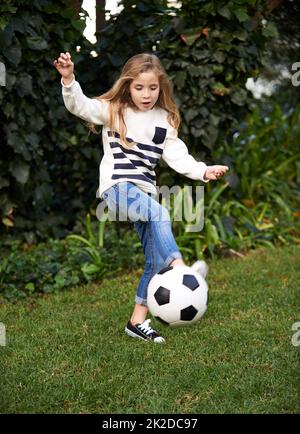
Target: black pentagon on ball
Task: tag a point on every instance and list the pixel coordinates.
(162, 296)
(188, 313)
(190, 281)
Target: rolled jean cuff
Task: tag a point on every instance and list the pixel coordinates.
(140, 300)
(170, 258)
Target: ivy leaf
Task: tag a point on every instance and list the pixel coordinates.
(225, 12)
(219, 56)
(241, 35)
(17, 24)
(190, 114)
(219, 89)
(180, 79)
(3, 182)
(13, 54)
(239, 96)
(18, 145)
(210, 136)
(24, 85)
(115, 60)
(241, 14)
(37, 43)
(190, 36)
(67, 13)
(33, 139)
(30, 286)
(214, 120)
(270, 30)
(20, 170)
(79, 25)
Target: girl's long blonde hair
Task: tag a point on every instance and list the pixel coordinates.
(119, 96)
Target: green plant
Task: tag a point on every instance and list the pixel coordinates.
(259, 202)
(45, 157)
(93, 246)
(30, 271)
(208, 49)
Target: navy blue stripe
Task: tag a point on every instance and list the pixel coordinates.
(140, 177)
(124, 166)
(119, 155)
(132, 165)
(152, 177)
(132, 152)
(150, 148)
(137, 163)
(140, 145)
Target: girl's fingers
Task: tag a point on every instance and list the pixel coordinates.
(56, 63)
(63, 57)
(63, 63)
(65, 60)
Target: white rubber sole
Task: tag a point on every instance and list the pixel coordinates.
(133, 335)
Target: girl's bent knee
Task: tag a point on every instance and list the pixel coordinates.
(161, 214)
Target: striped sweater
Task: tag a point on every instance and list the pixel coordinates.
(154, 138)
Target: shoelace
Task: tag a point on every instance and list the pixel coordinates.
(146, 328)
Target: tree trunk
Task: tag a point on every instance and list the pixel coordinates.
(100, 16)
(76, 5)
(273, 4)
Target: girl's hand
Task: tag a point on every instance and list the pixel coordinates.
(65, 67)
(215, 172)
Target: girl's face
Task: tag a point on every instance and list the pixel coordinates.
(144, 90)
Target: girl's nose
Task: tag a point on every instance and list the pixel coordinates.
(146, 93)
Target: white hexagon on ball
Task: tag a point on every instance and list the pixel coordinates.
(177, 296)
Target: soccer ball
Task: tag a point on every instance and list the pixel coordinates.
(178, 295)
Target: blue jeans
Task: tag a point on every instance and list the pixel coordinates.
(152, 224)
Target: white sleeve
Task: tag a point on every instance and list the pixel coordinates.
(89, 109)
(176, 155)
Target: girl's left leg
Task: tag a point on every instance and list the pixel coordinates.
(153, 263)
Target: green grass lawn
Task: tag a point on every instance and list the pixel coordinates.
(67, 352)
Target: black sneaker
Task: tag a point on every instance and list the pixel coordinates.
(143, 331)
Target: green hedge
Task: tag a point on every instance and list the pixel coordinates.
(48, 166)
(49, 162)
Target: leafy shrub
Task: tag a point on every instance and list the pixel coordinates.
(46, 156)
(49, 164)
(60, 264)
(46, 268)
(259, 202)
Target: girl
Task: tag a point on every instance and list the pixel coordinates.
(140, 123)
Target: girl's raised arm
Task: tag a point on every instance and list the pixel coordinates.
(65, 67)
(89, 109)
